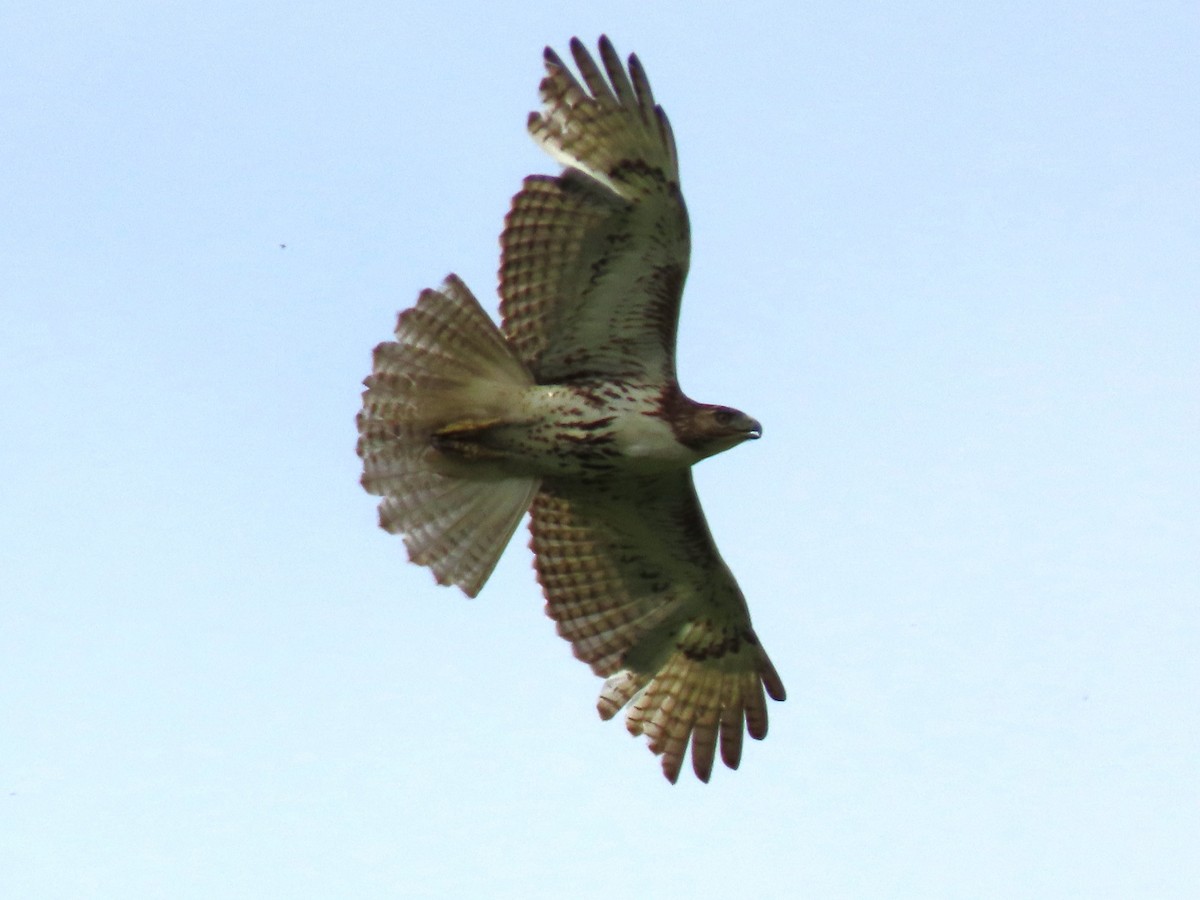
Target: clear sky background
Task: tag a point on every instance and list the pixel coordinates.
(948, 253)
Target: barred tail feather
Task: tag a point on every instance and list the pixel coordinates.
(449, 368)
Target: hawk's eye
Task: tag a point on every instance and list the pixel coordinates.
(723, 416)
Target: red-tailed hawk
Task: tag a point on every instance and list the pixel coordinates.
(571, 410)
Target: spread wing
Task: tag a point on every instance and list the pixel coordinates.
(593, 262)
(634, 581)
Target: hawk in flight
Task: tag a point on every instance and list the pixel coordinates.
(571, 410)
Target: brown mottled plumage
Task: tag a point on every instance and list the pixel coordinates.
(571, 410)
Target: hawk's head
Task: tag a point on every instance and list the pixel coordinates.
(724, 427)
(709, 429)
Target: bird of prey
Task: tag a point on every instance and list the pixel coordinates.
(571, 410)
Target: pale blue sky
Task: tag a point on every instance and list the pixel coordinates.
(947, 253)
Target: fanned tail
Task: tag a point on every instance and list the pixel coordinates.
(449, 371)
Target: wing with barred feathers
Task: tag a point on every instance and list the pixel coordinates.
(634, 581)
(593, 262)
